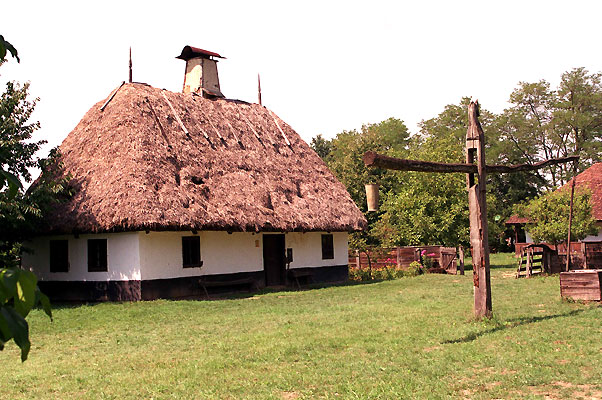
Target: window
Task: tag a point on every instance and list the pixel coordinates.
(59, 256)
(97, 255)
(191, 252)
(327, 247)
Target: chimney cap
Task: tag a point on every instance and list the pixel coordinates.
(189, 52)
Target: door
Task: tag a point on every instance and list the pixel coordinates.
(274, 259)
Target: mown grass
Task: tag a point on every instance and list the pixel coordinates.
(407, 338)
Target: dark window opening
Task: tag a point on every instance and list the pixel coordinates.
(59, 256)
(97, 255)
(327, 247)
(191, 252)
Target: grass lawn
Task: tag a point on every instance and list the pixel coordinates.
(407, 338)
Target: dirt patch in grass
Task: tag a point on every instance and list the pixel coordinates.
(290, 395)
(562, 390)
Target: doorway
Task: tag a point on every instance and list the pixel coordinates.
(274, 263)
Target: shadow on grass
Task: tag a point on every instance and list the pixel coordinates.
(512, 323)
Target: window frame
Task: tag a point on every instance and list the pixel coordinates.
(98, 251)
(327, 246)
(58, 263)
(189, 253)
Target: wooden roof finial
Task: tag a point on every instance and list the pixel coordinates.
(130, 64)
(259, 89)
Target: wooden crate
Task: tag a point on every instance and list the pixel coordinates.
(584, 284)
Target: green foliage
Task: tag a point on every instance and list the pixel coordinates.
(6, 46)
(414, 269)
(549, 216)
(544, 123)
(20, 211)
(19, 294)
(321, 146)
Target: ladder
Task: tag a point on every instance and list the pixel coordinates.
(531, 261)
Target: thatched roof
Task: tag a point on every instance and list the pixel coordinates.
(224, 165)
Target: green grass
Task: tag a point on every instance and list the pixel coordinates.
(408, 338)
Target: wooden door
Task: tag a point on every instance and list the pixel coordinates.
(274, 259)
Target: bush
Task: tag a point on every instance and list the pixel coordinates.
(387, 272)
(415, 269)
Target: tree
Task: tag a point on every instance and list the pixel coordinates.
(544, 123)
(549, 219)
(578, 114)
(345, 159)
(321, 146)
(19, 210)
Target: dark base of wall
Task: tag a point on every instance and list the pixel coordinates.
(170, 288)
(91, 291)
(190, 286)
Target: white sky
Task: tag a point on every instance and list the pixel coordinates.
(325, 66)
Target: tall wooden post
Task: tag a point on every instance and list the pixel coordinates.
(477, 206)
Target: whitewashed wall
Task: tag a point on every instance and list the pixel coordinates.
(590, 238)
(221, 253)
(158, 255)
(122, 258)
(307, 249)
(594, 238)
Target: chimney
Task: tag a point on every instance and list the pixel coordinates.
(201, 72)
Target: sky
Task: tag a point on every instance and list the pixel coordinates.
(326, 66)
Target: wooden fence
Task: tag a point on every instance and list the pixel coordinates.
(584, 255)
(402, 257)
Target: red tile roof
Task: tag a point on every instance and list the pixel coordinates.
(515, 219)
(592, 179)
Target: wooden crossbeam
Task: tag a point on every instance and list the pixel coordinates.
(372, 159)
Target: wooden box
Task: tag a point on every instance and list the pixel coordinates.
(583, 284)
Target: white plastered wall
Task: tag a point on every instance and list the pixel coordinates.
(122, 258)
(158, 255)
(594, 238)
(307, 249)
(221, 253)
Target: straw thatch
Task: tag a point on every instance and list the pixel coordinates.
(229, 165)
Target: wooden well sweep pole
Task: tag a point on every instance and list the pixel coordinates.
(477, 208)
(568, 243)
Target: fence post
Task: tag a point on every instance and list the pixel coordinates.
(461, 252)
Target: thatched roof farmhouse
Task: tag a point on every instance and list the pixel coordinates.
(152, 169)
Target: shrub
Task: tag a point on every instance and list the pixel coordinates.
(414, 269)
